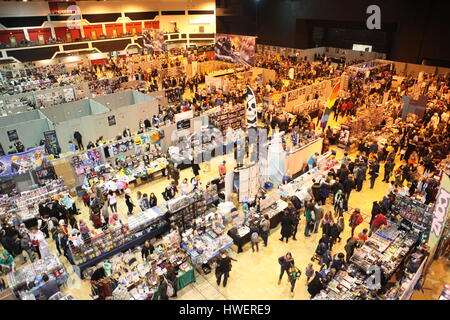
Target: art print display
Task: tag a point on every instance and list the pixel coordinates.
(154, 40)
(235, 49)
(19, 163)
(86, 161)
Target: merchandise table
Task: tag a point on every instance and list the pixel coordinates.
(183, 279)
(273, 211)
(128, 245)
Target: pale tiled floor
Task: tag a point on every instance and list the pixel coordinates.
(255, 275)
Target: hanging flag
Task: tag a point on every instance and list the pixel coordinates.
(329, 105)
(251, 114)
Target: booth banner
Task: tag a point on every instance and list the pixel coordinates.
(292, 95)
(251, 114)
(440, 216)
(18, 163)
(184, 115)
(154, 40)
(330, 103)
(51, 142)
(344, 136)
(235, 49)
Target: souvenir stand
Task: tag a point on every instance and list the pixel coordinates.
(389, 247)
(27, 281)
(299, 186)
(298, 157)
(27, 203)
(228, 116)
(271, 205)
(136, 279)
(100, 244)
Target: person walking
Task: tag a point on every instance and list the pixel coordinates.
(112, 201)
(295, 221)
(388, 168)
(286, 262)
(265, 229)
(223, 268)
(222, 169)
(355, 220)
(294, 273)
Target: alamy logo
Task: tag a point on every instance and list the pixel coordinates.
(74, 21)
(374, 20)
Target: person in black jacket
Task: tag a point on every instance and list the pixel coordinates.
(316, 285)
(79, 139)
(295, 216)
(147, 249)
(349, 185)
(376, 209)
(374, 172)
(287, 224)
(286, 262)
(223, 268)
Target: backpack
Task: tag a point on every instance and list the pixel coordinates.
(254, 237)
(170, 290)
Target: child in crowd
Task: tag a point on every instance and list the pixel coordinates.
(309, 272)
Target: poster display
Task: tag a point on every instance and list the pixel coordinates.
(18, 163)
(85, 162)
(235, 49)
(51, 142)
(154, 40)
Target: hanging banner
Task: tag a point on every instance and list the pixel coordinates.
(330, 103)
(235, 49)
(51, 142)
(18, 163)
(154, 40)
(251, 114)
(440, 215)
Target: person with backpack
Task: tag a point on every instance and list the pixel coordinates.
(254, 237)
(294, 273)
(223, 268)
(355, 220)
(265, 229)
(286, 262)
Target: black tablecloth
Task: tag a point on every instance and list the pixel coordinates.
(131, 244)
(237, 239)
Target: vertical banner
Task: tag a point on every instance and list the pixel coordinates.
(51, 142)
(330, 103)
(440, 215)
(251, 114)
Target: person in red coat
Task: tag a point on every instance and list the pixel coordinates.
(355, 219)
(380, 220)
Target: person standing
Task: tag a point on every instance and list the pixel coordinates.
(265, 229)
(49, 288)
(254, 237)
(222, 169)
(286, 262)
(184, 187)
(38, 239)
(374, 172)
(286, 226)
(129, 202)
(294, 273)
(26, 245)
(295, 221)
(152, 200)
(355, 220)
(350, 246)
(79, 139)
(309, 272)
(388, 168)
(112, 201)
(223, 268)
(379, 221)
(309, 212)
(318, 213)
(147, 249)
